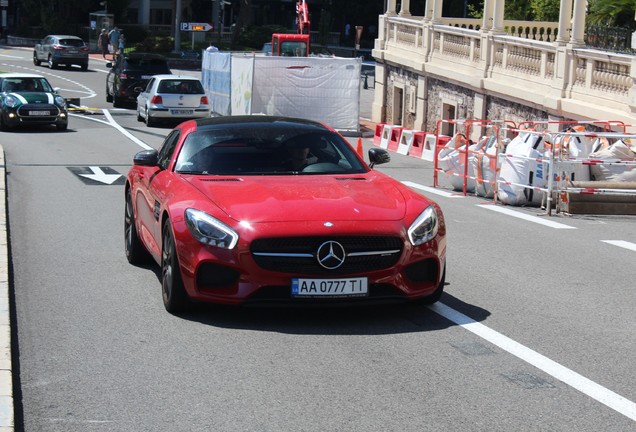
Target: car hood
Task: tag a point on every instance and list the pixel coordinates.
(34, 97)
(362, 197)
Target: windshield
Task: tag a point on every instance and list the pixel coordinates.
(154, 66)
(26, 85)
(253, 150)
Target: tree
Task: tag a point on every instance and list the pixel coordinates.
(612, 13)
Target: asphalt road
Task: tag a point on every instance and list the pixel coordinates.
(536, 330)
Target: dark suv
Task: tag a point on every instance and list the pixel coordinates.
(130, 73)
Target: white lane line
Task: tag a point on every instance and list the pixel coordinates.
(622, 244)
(432, 190)
(588, 387)
(130, 136)
(529, 218)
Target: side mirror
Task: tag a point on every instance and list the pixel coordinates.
(146, 158)
(378, 156)
(109, 65)
(138, 90)
(57, 90)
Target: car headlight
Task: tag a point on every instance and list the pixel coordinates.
(60, 101)
(424, 228)
(210, 231)
(11, 101)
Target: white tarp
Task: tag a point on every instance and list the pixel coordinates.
(215, 77)
(316, 88)
(242, 79)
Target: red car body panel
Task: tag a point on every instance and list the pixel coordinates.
(260, 207)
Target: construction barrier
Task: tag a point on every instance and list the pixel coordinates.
(378, 133)
(573, 161)
(468, 165)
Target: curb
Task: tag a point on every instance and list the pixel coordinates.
(6, 370)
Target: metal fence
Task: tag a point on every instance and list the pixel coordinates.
(616, 39)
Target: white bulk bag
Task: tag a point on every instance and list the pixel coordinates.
(484, 165)
(520, 168)
(452, 158)
(614, 173)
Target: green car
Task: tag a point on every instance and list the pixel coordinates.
(29, 99)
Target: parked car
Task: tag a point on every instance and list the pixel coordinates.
(273, 210)
(172, 97)
(61, 49)
(29, 99)
(130, 73)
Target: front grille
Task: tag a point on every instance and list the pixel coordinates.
(27, 112)
(298, 254)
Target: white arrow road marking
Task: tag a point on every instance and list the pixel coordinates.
(101, 176)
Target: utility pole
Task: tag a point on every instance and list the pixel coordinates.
(177, 26)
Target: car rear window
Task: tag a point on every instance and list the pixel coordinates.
(153, 66)
(177, 86)
(72, 42)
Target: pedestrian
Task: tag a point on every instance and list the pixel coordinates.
(113, 35)
(122, 44)
(103, 41)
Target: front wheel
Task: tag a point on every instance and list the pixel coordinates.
(61, 127)
(52, 64)
(437, 294)
(175, 299)
(35, 59)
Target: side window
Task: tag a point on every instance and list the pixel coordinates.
(167, 149)
(149, 86)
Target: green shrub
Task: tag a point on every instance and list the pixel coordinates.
(255, 36)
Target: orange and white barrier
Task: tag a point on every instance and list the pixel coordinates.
(378, 133)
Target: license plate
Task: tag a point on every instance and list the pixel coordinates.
(350, 287)
(72, 51)
(181, 112)
(39, 113)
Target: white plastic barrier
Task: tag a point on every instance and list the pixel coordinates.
(406, 141)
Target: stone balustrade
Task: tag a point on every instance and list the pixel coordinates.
(525, 62)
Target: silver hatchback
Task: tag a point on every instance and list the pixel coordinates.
(172, 97)
(61, 49)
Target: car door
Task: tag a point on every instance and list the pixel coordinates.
(110, 78)
(144, 96)
(152, 188)
(39, 49)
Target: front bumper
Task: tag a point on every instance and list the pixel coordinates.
(30, 114)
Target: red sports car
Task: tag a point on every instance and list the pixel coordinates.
(276, 210)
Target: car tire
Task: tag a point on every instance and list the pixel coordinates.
(3, 126)
(139, 117)
(150, 122)
(136, 252)
(109, 97)
(175, 299)
(52, 64)
(437, 294)
(35, 59)
(84, 66)
(116, 102)
(61, 127)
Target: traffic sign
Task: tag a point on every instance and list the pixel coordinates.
(185, 26)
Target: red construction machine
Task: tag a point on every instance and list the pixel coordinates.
(294, 45)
